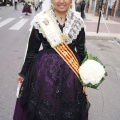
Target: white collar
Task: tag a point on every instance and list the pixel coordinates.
(72, 27)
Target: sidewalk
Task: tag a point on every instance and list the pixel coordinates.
(91, 22)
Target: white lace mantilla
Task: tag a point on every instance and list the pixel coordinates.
(73, 24)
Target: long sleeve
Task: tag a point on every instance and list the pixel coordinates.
(33, 48)
(80, 44)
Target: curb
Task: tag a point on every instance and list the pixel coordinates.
(92, 37)
(102, 36)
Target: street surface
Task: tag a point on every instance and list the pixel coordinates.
(14, 32)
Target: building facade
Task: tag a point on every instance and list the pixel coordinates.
(109, 7)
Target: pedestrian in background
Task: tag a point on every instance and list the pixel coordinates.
(40, 4)
(36, 5)
(80, 7)
(27, 7)
(15, 3)
(82, 4)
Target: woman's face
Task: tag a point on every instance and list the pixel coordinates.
(61, 5)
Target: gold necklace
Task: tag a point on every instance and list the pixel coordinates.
(61, 18)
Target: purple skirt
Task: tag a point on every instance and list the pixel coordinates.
(27, 9)
(55, 92)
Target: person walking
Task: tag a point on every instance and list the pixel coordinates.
(50, 88)
(36, 5)
(82, 4)
(80, 7)
(27, 7)
(77, 6)
(40, 4)
(15, 2)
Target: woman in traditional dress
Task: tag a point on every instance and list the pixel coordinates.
(51, 89)
(27, 7)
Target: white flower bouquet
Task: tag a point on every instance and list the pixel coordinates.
(92, 72)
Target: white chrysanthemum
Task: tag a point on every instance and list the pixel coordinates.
(91, 71)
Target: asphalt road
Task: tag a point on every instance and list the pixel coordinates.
(105, 102)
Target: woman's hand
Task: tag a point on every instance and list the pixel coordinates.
(19, 79)
(85, 92)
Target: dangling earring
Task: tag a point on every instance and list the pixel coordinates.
(52, 7)
(71, 6)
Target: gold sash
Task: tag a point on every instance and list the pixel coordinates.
(57, 42)
(68, 56)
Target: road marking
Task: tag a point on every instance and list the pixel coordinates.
(6, 21)
(30, 29)
(19, 24)
(21, 16)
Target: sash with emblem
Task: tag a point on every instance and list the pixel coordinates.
(57, 41)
